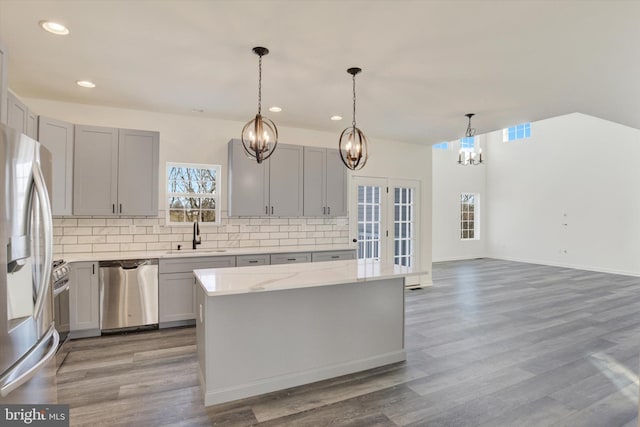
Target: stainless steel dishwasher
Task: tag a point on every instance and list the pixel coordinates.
(128, 294)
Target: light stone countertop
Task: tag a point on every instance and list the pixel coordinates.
(200, 252)
(242, 280)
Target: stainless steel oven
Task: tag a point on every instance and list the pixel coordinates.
(60, 276)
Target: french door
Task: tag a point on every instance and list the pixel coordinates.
(385, 224)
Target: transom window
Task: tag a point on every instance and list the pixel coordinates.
(193, 193)
(516, 132)
(469, 215)
(441, 146)
(468, 143)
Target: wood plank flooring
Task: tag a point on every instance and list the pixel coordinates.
(492, 343)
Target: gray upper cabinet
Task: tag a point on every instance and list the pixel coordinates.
(57, 137)
(286, 180)
(138, 158)
(32, 125)
(248, 183)
(95, 170)
(273, 187)
(3, 84)
(325, 183)
(17, 113)
(115, 171)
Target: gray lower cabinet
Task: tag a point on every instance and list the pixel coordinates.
(177, 297)
(176, 294)
(333, 255)
(249, 260)
(272, 188)
(4, 66)
(325, 183)
(57, 137)
(84, 310)
(115, 171)
(290, 258)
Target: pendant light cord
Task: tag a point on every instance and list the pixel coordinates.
(260, 85)
(353, 122)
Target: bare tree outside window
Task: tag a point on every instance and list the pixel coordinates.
(193, 193)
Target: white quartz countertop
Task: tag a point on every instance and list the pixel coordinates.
(241, 280)
(200, 252)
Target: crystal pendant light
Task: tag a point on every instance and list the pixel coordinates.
(353, 143)
(260, 135)
(466, 158)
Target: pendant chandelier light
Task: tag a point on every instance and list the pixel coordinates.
(466, 157)
(353, 143)
(260, 135)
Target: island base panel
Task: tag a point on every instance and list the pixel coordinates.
(255, 343)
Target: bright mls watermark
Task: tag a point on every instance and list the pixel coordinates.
(34, 415)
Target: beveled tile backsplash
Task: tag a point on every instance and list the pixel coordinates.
(123, 234)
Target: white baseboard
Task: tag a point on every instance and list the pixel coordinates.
(214, 397)
(568, 265)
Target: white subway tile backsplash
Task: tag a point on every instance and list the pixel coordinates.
(107, 230)
(106, 247)
(119, 222)
(125, 247)
(91, 222)
(159, 246)
(77, 231)
(120, 238)
(91, 239)
(99, 234)
(145, 238)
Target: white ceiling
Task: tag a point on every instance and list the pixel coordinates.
(425, 63)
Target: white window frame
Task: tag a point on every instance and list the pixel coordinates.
(476, 217)
(216, 196)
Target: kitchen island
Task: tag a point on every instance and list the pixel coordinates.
(266, 328)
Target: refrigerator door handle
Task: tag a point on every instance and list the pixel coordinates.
(45, 205)
(8, 384)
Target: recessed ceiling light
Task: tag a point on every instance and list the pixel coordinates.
(86, 83)
(336, 118)
(54, 28)
(197, 110)
(275, 109)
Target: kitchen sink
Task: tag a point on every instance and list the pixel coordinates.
(195, 251)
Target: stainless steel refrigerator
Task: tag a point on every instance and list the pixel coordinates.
(28, 339)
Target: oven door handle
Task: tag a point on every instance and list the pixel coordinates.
(60, 290)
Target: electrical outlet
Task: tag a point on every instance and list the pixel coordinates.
(132, 229)
(156, 229)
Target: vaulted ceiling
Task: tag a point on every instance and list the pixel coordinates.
(425, 63)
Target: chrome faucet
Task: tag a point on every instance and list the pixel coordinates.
(196, 234)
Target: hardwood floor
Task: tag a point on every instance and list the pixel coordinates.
(492, 343)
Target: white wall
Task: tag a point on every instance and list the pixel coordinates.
(576, 170)
(201, 140)
(450, 180)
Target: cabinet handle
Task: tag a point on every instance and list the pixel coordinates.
(328, 210)
(93, 269)
(324, 210)
(271, 210)
(291, 259)
(335, 256)
(253, 261)
(113, 208)
(266, 210)
(120, 207)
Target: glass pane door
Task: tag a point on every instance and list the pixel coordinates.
(369, 222)
(404, 226)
